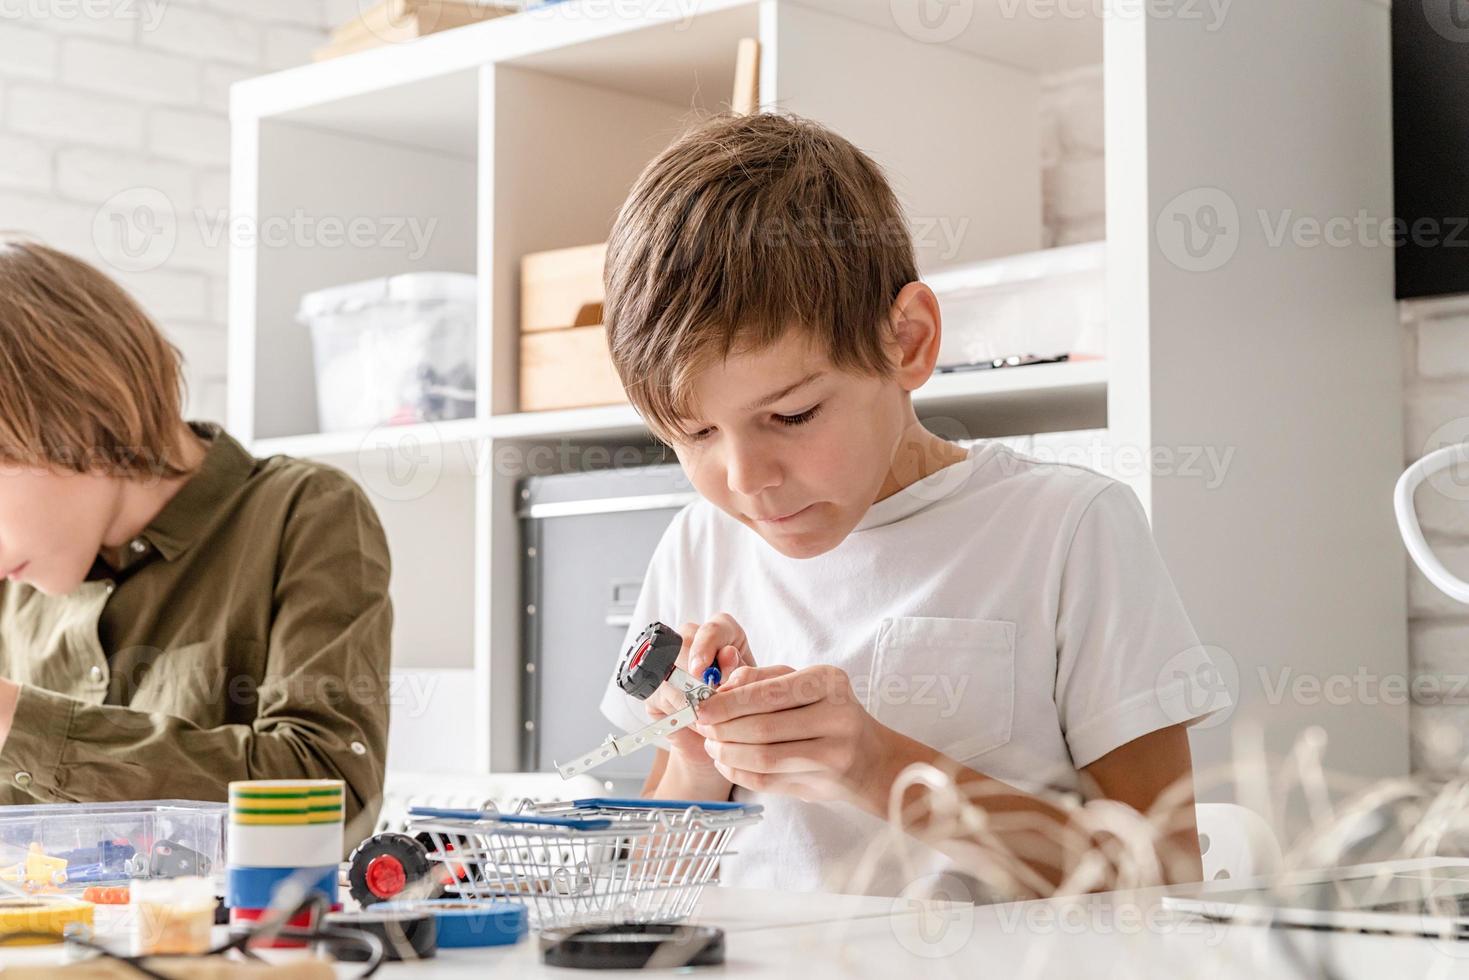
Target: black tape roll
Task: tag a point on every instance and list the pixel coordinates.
(405, 935)
(633, 947)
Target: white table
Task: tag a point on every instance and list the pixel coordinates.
(818, 936)
(1113, 936)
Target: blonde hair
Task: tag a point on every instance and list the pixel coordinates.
(745, 227)
(88, 383)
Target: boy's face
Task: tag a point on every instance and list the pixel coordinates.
(789, 446)
(52, 525)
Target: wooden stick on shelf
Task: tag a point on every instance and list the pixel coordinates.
(746, 98)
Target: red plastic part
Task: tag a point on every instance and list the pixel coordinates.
(385, 876)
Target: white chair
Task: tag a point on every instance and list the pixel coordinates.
(1235, 842)
(468, 791)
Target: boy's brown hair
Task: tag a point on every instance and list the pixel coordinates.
(744, 227)
(88, 383)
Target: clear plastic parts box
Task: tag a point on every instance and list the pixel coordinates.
(54, 847)
(393, 351)
(1045, 303)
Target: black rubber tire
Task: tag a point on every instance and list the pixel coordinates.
(413, 856)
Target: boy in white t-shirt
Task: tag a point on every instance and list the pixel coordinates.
(876, 596)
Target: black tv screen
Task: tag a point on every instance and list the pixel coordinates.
(1430, 67)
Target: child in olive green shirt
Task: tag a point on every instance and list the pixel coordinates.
(174, 613)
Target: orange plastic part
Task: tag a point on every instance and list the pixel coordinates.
(107, 894)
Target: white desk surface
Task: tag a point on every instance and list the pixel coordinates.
(818, 936)
(1115, 936)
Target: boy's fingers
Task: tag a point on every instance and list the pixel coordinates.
(791, 689)
(708, 639)
(711, 638)
(730, 659)
(741, 676)
(785, 757)
(688, 631)
(791, 725)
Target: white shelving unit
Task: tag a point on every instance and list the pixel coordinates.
(525, 133)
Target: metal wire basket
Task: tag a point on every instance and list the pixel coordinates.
(585, 862)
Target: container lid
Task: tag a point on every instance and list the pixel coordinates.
(410, 287)
(603, 484)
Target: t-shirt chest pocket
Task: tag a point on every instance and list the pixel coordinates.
(948, 683)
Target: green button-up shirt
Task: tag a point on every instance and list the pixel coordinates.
(246, 636)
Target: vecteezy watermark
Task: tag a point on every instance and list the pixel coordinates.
(1199, 230)
(1207, 464)
(1210, 13)
(680, 12)
(138, 229)
(1112, 914)
(1363, 687)
(1361, 229)
(1199, 681)
(933, 917)
(942, 693)
(147, 13)
(409, 233)
(932, 21)
(400, 464)
(1449, 18)
(1452, 481)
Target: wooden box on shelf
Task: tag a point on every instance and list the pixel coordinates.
(396, 21)
(564, 361)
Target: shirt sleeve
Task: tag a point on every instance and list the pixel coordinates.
(321, 705)
(1128, 659)
(658, 601)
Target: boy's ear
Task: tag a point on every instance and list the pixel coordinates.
(917, 330)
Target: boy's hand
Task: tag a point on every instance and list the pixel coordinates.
(722, 642)
(800, 732)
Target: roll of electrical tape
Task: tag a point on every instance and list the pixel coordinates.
(243, 920)
(405, 935)
(633, 947)
(295, 846)
(41, 914)
(286, 802)
(463, 923)
(255, 888)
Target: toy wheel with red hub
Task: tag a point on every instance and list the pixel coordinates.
(392, 866)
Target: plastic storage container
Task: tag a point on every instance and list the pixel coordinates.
(1044, 303)
(393, 351)
(52, 847)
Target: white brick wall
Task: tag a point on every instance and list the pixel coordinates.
(137, 95)
(1072, 172)
(1436, 376)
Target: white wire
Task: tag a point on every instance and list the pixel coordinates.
(1423, 556)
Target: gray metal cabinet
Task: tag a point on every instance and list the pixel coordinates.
(588, 540)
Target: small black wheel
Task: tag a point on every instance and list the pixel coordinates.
(389, 866)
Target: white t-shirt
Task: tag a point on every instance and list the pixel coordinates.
(1014, 614)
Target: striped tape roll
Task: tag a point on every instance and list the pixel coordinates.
(294, 846)
(286, 802)
(255, 888)
(245, 920)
